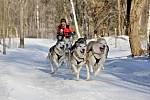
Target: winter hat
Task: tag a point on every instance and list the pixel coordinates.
(63, 20)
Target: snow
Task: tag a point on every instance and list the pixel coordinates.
(25, 75)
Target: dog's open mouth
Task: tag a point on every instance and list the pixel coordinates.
(82, 51)
(102, 49)
(62, 47)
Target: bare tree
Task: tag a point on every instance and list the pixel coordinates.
(21, 23)
(134, 25)
(148, 29)
(4, 26)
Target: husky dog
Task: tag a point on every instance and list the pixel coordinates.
(103, 41)
(57, 55)
(78, 57)
(96, 55)
(60, 36)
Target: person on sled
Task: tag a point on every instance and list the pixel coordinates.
(60, 29)
(64, 31)
(69, 36)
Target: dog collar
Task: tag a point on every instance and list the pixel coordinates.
(59, 56)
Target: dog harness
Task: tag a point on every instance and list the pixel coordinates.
(59, 56)
(97, 59)
(77, 57)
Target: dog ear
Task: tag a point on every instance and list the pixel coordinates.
(85, 37)
(77, 44)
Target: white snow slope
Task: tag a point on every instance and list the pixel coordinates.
(25, 75)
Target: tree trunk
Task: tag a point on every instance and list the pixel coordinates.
(75, 19)
(21, 26)
(4, 34)
(134, 27)
(119, 19)
(38, 20)
(148, 30)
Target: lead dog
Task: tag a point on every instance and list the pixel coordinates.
(97, 52)
(78, 57)
(57, 55)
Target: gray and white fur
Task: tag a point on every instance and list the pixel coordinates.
(97, 52)
(57, 55)
(78, 57)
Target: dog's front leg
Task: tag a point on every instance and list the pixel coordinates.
(56, 65)
(51, 65)
(61, 61)
(78, 72)
(52, 68)
(74, 68)
(102, 61)
(97, 69)
(102, 67)
(69, 61)
(94, 67)
(88, 72)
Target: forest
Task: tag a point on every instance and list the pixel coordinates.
(101, 18)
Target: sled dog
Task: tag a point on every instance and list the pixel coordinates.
(78, 57)
(97, 52)
(57, 55)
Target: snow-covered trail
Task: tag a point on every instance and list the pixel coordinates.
(25, 75)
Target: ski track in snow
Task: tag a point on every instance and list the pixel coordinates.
(25, 75)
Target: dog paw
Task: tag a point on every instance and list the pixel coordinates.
(77, 79)
(102, 68)
(52, 72)
(95, 74)
(87, 79)
(74, 73)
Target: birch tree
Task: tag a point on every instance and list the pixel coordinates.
(4, 26)
(22, 23)
(75, 19)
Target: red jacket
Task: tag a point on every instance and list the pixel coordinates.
(68, 31)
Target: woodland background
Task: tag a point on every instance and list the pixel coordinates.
(40, 18)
